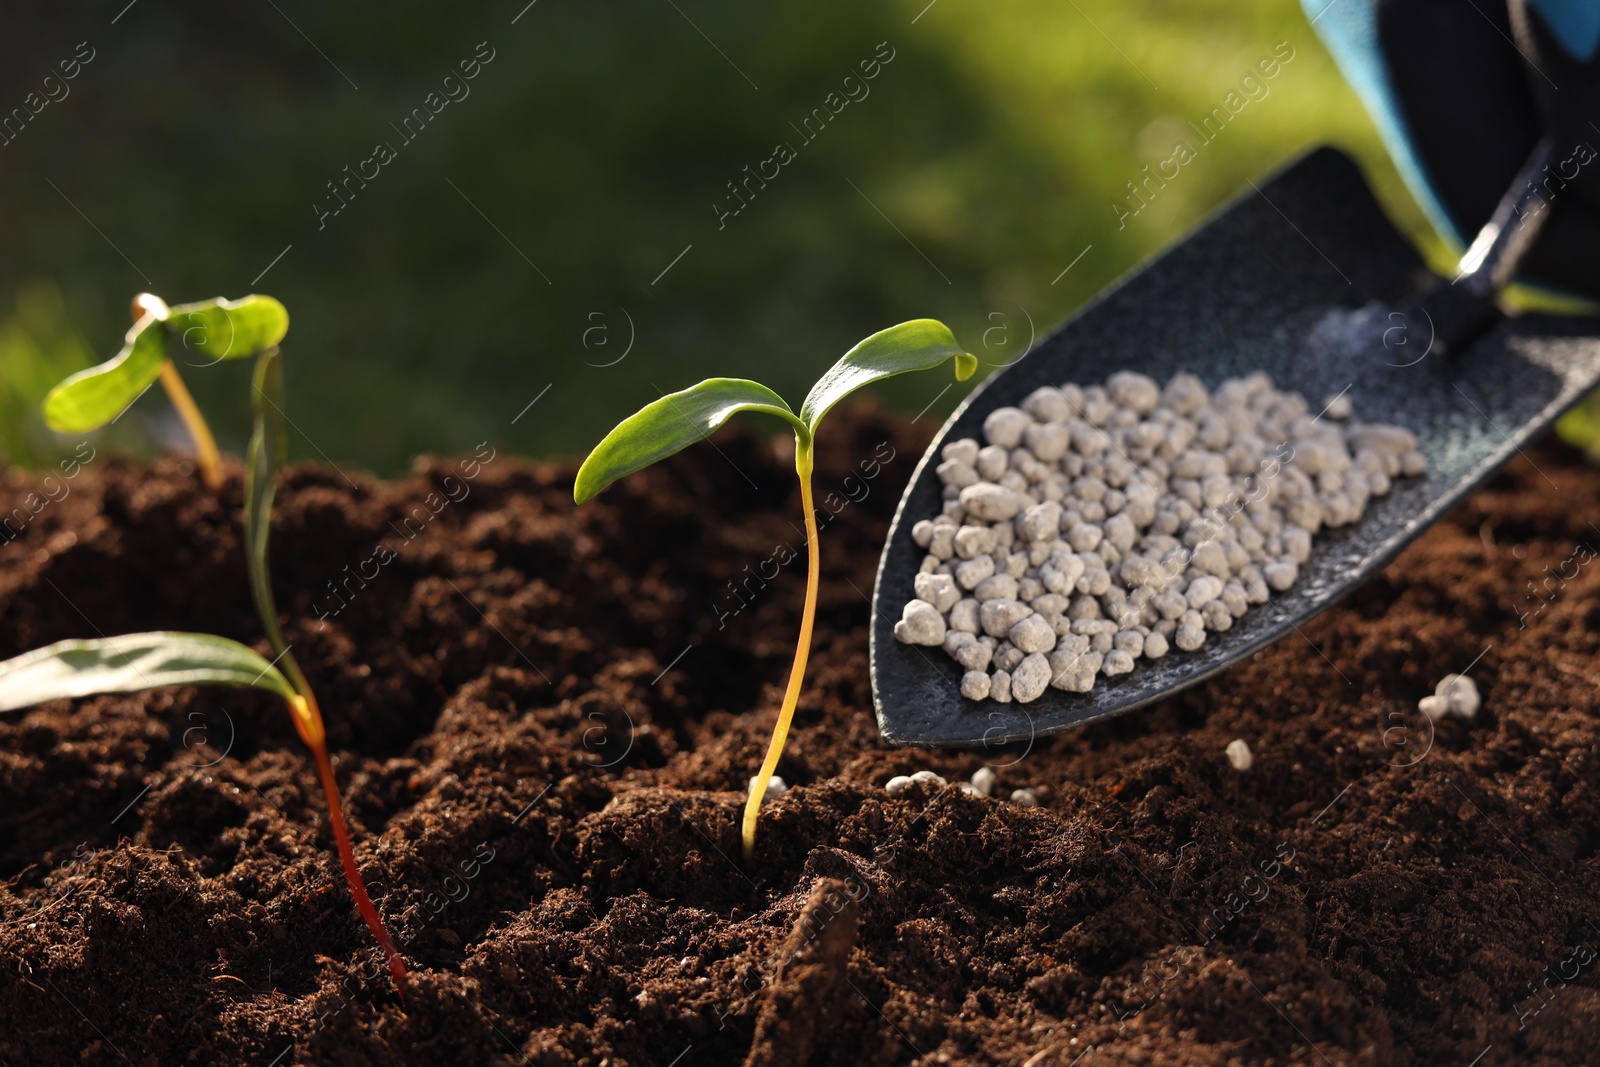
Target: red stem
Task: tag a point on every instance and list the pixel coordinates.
(308, 719)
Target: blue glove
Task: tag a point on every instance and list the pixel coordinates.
(1461, 90)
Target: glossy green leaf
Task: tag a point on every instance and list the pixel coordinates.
(93, 397)
(920, 344)
(672, 424)
(265, 456)
(131, 662)
(214, 330)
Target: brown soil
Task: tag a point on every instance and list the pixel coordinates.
(545, 790)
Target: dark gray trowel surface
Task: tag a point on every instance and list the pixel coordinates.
(1296, 278)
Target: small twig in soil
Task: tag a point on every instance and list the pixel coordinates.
(809, 980)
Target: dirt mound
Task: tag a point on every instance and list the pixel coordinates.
(543, 720)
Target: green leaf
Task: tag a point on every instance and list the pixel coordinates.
(266, 454)
(672, 424)
(214, 330)
(91, 398)
(920, 344)
(131, 663)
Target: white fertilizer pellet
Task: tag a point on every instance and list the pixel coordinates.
(1100, 525)
(776, 787)
(1456, 694)
(1239, 754)
(898, 785)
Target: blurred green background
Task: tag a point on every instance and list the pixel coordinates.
(521, 243)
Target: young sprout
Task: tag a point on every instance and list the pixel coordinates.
(675, 422)
(214, 329)
(134, 662)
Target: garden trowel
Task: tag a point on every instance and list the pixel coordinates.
(1301, 276)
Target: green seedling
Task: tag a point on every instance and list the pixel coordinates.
(133, 662)
(675, 422)
(212, 329)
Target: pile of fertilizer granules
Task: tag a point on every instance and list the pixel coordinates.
(1100, 524)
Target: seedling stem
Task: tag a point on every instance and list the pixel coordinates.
(802, 652)
(262, 461)
(205, 445)
(308, 723)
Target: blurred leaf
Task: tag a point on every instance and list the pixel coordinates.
(91, 398)
(38, 348)
(920, 344)
(1581, 426)
(221, 329)
(133, 662)
(1025, 125)
(672, 424)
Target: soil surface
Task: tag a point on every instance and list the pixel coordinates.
(544, 718)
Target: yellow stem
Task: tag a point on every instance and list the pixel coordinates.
(205, 445)
(797, 674)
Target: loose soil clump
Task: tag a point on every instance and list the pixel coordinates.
(544, 720)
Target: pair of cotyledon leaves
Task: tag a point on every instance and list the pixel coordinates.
(133, 662)
(678, 420)
(211, 330)
(142, 661)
